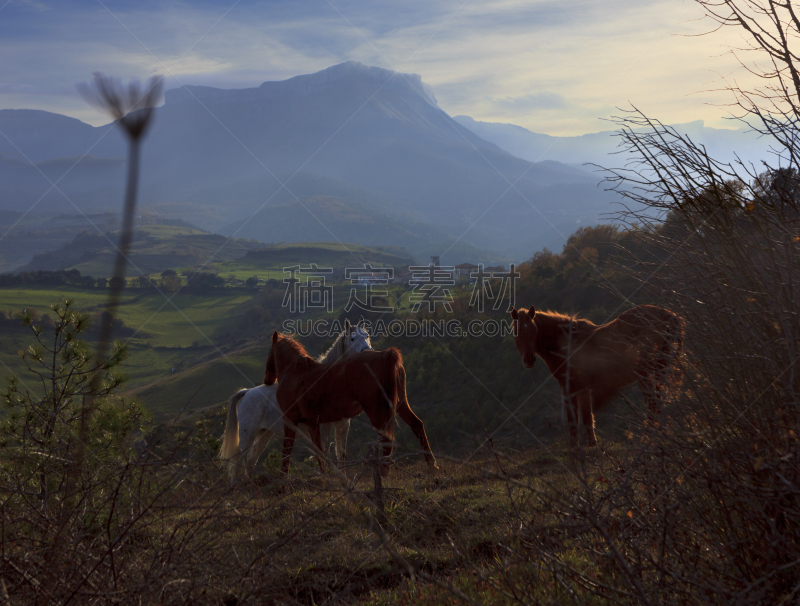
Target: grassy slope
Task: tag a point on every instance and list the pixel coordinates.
(268, 262)
(202, 385)
(166, 336)
(308, 541)
(161, 247)
(177, 324)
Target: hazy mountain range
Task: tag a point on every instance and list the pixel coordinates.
(603, 148)
(352, 153)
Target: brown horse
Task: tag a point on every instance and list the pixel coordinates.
(592, 363)
(312, 392)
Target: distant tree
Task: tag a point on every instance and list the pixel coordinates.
(251, 282)
(171, 281)
(142, 282)
(48, 277)
(204, 283)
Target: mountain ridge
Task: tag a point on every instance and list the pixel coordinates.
(599, 148)
(370, 136)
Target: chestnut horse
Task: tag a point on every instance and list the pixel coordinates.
(311, 392)
(592, 363)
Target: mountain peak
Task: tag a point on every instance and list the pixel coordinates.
(355, 70)
(309, 84)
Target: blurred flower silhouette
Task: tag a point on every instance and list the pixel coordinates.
(131, 106)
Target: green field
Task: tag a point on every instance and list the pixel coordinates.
(179, 322)
(177, 344)
(202, 385)
(170, 335)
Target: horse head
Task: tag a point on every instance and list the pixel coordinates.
(285, 353)
(357, 337)
(525, 333)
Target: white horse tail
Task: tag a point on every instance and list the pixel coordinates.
(230, 440)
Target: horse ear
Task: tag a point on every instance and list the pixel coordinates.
(531, 311)
(275, 336)
(361, 322)
(514, 313)
(347, 325)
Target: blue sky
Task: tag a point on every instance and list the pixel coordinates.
(556, 67)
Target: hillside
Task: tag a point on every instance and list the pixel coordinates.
(319, 218)
(327, 254)
(35, 233)
(154, 249)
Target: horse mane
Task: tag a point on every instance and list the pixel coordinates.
(304, 361)
(334, 352)
(557, 316)
(549, 323)
(295, 345)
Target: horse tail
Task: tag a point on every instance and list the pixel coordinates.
(395, 383)
(402, 398)
(230, 440)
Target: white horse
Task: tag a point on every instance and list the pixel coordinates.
(254, 415)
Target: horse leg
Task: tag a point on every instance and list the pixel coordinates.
(238, 464)
(288, 444)
(257, 449)
(325, 437)
(388, 447)
(341, 427)
(585, 403)
(383, 423)
(314, 432)
(415, 423)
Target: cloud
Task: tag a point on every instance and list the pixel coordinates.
(546, 64)
(542, 100)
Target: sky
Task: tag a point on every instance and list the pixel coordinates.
(559, 67)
